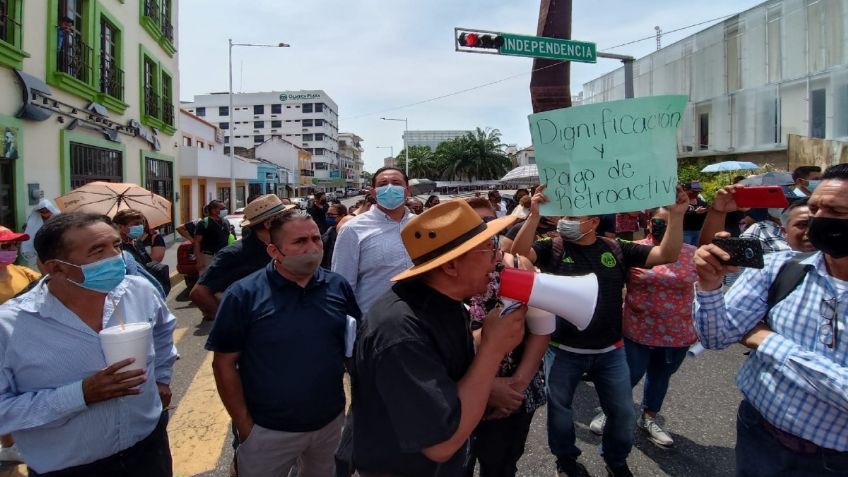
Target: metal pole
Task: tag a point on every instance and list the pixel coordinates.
(232, 138)
(405, 132)
(628, 78)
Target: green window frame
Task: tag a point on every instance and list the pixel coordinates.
(67, 137)
(11, 34)
(80, 70)
(156, 17)
(156, 89)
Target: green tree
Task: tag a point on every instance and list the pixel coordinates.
(366, 176)
(422, 162)
(478, 155)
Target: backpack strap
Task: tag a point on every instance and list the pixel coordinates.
(790, 275)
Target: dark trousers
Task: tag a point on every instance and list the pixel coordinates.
(760, 454)
(497, 445)
(659, 363)
(150, 457)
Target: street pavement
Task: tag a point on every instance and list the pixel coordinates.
(699, 412)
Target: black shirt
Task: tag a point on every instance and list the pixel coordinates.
(319, 215)
(215, 234)
(329, 239)
(693, 220)
(292, 343)
(600, 259)
(414, 346)
(235, 262)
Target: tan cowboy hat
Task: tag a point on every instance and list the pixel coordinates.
(263, 208)
(445, 232)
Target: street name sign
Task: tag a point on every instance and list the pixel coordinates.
(471, 40)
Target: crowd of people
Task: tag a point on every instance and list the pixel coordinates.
(402, 295)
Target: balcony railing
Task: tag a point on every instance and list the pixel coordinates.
(167, 29)
(74, 55)
(151, 103)
(168, 112)
(9, 28)
(151, 10)
(111, 78)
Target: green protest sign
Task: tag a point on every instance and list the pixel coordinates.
(619, 156)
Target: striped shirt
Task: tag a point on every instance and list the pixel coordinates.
(46, 351)
(798, 383)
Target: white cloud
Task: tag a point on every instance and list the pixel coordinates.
(373, 55)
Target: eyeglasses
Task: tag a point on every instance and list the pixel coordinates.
(828, 329)
(495, 248)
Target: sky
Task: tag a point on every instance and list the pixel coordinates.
(378, 58)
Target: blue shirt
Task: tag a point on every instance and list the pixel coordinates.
(46, 351)
(369, 252)
(793, 379)
(291, 341)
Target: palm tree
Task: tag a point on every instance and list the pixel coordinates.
(422, 162)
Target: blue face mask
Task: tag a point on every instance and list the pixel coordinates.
(224, 212)
(331, 220)
(103, 275)
(391, 196)
(811, 185)
(135, 231)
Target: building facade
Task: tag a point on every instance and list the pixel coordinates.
(286, 157)
(350, 153)
(204, 169)
(431, 139)
(307, 119)
(776, 69)
(88, 93)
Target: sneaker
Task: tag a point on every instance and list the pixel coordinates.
(619, 471)
(571, 468)
(11, 454)
(654, 431)
(598, 423)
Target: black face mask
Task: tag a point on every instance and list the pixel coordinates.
(658, 227)
(830, 235)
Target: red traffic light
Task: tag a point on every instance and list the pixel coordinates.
(478, 40)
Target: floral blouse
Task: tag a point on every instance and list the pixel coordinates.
(658, 303)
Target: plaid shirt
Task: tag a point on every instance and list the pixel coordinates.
(798, 383)
(769, 234)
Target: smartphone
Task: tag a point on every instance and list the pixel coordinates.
(744, 252)
(760, 197)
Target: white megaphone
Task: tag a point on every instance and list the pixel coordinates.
(572, 298)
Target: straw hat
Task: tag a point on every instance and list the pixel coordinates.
(263, 208)
(445, 232)
(7, 235)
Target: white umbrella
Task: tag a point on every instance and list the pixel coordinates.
(528, 173)
(729, 166)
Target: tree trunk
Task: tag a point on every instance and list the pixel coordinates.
(550, 88)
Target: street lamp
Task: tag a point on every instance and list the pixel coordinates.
(233, 123)
(405, 131)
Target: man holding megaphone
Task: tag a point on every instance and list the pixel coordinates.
(598, 349)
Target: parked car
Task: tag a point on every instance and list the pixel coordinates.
(300, 202)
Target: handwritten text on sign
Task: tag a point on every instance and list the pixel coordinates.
(619, 156)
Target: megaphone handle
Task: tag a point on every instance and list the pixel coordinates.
(510, 305)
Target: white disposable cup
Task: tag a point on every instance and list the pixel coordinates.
(129, 341)
(540, 322)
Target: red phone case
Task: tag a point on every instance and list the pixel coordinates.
(760, 197)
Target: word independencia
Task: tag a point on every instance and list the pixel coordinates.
(609, 124)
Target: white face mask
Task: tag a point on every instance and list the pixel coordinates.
(570, 229)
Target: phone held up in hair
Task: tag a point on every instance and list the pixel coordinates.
(760, 197)
(744, 252)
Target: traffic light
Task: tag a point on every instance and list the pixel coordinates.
(482, 40)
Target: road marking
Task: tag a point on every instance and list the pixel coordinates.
(199, 426)
(178, 333)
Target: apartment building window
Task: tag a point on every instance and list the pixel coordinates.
(307, 107)
(223, 110)
(276, 109)
(773, 34)
(306, 123)
(224, 125)
(156, 19)
(186, 141)
(157, 93)
(111, 75)
(818, 110)
(276, 124)
(91, 163)
(733, 57)
(159, 179)
(11, 34)
(226, 150)
(258, 109)
(259, 138)
(318, 152)
(200, 145)
(167, 99)
(151, 99)
(319, 107)
(320, 166)
(226, 139)
(307, 137)
(201, 112)
(319, 137)
(319, 122)
(258, 124)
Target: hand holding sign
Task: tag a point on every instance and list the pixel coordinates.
(608, 157)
